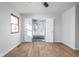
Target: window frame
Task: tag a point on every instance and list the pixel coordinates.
(14, 24)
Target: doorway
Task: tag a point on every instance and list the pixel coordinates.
(38, 30)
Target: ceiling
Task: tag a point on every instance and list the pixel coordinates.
(37, 7)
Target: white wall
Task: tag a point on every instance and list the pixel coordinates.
(77, 28)
(68, 27)
(57, 33)
(7, 40)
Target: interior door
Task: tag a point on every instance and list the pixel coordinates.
(49, 30)
(28, 30)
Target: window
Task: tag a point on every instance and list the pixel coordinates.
(14, 24)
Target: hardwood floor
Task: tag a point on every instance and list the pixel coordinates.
(42, 49)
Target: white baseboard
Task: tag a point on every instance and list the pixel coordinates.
(69, 45)
(3, 54)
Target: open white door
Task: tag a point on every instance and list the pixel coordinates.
(49, 29)
(28, 30)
